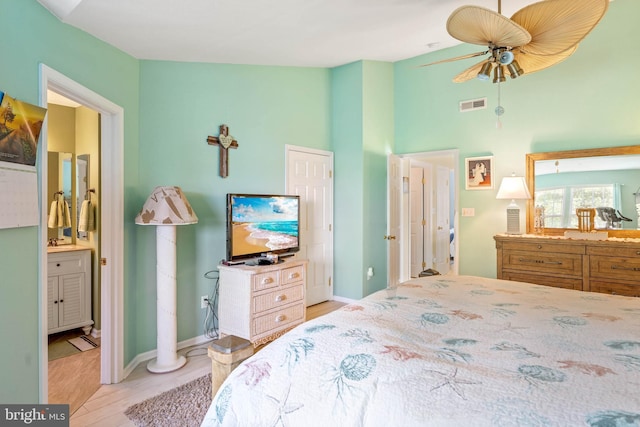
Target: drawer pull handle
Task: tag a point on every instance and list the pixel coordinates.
(619, 267)
(281, 298)
(540, 261)
(637, 252)
(58, 265)
(267, 280)
(281, 318)
(293, 275)
(539, 246)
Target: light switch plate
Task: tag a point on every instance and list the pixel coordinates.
(468, 211)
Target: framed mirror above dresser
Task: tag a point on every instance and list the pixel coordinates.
(607, 179)
(562, 181)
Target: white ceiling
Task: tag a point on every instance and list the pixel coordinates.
(308, 33)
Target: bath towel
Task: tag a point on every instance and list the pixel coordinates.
(87, 220)
(59, 215)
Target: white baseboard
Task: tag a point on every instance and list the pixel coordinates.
(144, 357)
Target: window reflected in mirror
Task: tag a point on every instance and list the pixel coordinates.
(607, 180)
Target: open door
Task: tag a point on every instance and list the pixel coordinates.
(394, 209)
(442, 193)
(443, 248)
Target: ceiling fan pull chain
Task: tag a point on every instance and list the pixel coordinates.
(499, 110)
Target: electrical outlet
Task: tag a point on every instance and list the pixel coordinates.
(204, 301)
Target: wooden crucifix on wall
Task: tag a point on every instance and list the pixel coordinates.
(225, 141)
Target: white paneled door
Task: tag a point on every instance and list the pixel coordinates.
(309, 174)
(442, 261)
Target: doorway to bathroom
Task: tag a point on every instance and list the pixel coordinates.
(108, 256)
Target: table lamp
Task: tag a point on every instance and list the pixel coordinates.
(515, 188)
(165, 208)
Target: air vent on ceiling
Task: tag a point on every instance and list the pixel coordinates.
(473, 104)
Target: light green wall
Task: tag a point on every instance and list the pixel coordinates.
(589, 100)
(362, 134)
(31, 35)
(347, 134)
(180, 105)
(377, 144)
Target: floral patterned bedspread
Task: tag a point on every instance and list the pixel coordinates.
(448, 350)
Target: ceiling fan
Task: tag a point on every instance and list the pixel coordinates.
(534, 38)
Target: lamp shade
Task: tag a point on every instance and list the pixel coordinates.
(166, 206)
(513, 187)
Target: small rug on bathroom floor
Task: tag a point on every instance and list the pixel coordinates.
(83, 343)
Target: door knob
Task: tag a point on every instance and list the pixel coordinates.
(389, 237)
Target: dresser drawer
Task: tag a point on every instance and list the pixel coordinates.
(278, 298)
(559, 263)
(608, 287)
(543, 247)
(618, 251)
(291, 275)
(615, 267)
(556, 282)
(265, 280)
(65, 265)
(276, 320)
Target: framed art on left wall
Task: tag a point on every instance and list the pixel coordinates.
(478, 173)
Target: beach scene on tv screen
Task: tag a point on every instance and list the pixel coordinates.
(264, 224)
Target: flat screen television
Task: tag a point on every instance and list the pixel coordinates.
(258, 224)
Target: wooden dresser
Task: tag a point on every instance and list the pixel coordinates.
(609, 266)
(260, 303)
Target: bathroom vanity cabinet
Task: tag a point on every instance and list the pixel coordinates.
(69, 289)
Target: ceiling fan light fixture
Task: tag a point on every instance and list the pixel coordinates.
(506, 57)
(485, 72)
(498, 74)
(515, 70)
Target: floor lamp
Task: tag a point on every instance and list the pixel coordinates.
(166, 208)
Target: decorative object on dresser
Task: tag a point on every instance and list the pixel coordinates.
(588, 178)
(607, 266)
(515, 188)
(586, 219)
(260, 303)
(69, 288)
(165, 208)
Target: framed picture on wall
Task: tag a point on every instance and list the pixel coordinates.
(478, 173)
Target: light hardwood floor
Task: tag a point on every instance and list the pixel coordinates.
(106, 407)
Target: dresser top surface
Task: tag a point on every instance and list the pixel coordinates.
(533, 238)
(263, 268)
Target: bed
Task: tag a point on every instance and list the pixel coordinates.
(448, 350)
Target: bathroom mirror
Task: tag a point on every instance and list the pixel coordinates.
(595, 178)
(83, 186)
(60, 193)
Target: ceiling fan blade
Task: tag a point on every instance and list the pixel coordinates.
(531, 63)
(469, 74)
(558, 25)
(478, 25)
(457, 58)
